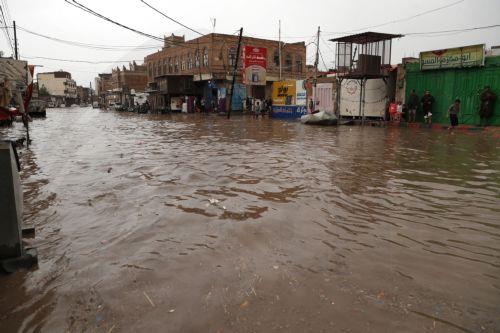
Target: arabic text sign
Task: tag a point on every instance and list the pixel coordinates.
(467, 56)
(284, 92)
(254, 65)
(301, 92)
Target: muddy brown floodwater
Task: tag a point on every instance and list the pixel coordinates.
(193, 223)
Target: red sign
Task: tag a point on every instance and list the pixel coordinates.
(254, 65)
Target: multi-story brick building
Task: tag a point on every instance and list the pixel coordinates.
(84, 95)
(135, 77)
(104, 85)
(202, 67)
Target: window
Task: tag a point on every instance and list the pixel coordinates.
(232, 57)
(276, 58)
(165, 66)
(189, 61)
(170, 69)
(205, 57)
(176, 66)
(197, 59)
(298, 64)
(158, 68)
(183, 63)
(288, 62)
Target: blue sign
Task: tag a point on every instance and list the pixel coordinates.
(289, 111)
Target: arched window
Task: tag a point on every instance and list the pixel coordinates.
(298, 64)
(197, 59)
(170, 65)
(176, 66)
(190, 61)
(276, 58)
(205, 57)
(232, 57)
(288, 62)
(164, 66)
(183, 63)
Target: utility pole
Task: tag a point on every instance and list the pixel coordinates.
(15, 41)
(234, 74)
(279, 46)
(316, 70)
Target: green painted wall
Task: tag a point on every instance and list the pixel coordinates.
(448, 84)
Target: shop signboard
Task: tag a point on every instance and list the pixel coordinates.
(289, 111)
(254, 65)
(284, 92)
(301, 92)
(467, 56)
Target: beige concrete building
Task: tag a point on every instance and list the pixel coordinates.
(59, 84)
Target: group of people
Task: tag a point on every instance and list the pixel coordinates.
(257, 107)
(487, 99)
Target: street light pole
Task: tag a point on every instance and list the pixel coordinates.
(15, 41)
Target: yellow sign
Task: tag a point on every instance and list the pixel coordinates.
(284, 92)
(467, 56)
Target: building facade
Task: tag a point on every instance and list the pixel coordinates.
(104, 85)
(464, 83)
(60, 86)
(202, 68)
(132, 78)
(84, 95)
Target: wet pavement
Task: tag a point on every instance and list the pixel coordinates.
(193, 223)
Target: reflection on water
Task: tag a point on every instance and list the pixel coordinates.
(200, 213)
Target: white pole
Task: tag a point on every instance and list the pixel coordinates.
(316, 62)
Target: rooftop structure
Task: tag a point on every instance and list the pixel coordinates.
(363, 55)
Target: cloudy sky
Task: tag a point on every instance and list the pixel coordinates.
(300, 20)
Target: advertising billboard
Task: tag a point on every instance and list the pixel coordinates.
(467, 56)
(254, 65)
(301, 92)
(284, 92)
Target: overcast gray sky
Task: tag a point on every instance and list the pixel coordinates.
(300, 20)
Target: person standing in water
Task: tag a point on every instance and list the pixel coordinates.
(487, 98)
(454, 112)
(427, 104)
(412, 106)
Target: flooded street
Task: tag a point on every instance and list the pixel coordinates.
(193, 223)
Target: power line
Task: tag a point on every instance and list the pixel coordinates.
(91, 46)
(171, 19)
(7, 10)
(6, 30)
(441, 33)
(452, 31)
(84, 61)
(322, 59)
(90, 11)
(78, 5)
(402, 19)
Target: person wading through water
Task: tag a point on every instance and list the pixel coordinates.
(412, 106)
(487, 98)
(427, 104)
(453, 113)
